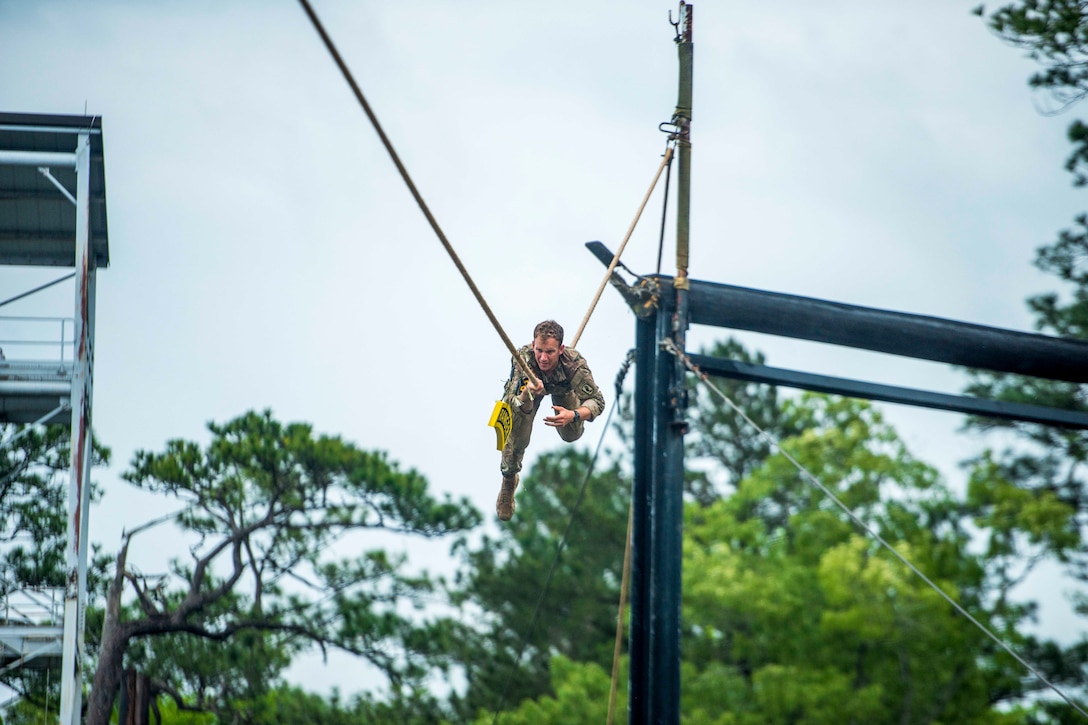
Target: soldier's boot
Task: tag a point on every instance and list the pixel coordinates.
(504, 505)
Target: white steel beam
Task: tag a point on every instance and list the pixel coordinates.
(79, 482)
(40, 158)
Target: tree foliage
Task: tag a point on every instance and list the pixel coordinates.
(581, 695)
(34, 473)
(722, 448)
(793, 613)
(796, 614)
(35, 470)
(1030, 495)
(269, 510)
(1055, 35)
(504, 578)
(1030, 491)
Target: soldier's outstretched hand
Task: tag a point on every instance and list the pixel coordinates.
(561, 418)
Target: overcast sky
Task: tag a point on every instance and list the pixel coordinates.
(265, 253)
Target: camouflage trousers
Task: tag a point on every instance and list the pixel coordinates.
(521, 427)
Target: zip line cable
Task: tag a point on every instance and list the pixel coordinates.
(665, 163)
(434, 223)
(412, 188)
(670, 347)
(563, 539)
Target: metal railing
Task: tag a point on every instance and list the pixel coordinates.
(20, 335)
(31, 606)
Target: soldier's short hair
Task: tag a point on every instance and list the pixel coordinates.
(549, 328)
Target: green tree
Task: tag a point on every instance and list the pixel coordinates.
(35, 465)
(287, 704)
(721, 448)
(504, 578)
(34, 474)
(1033, 496)
(1055, 35)
(1031, 493)
(793, 614)
(799, 616)
(266, 508)
(581, 696)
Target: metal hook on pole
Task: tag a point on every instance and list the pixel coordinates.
(683, 24)
(676, 24)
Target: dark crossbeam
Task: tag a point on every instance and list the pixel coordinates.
(897, 333)
(889, 393)
(866, 328)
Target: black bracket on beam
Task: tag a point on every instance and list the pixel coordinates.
(642, 298)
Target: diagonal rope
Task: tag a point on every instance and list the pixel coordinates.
(563, 540)
(412, 188)
(616, 257)
(670, 347)
(619, 616)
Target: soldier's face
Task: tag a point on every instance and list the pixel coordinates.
(546, 350)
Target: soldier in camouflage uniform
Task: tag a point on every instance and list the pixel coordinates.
(563, 374)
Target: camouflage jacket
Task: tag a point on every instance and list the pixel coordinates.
(571, 375)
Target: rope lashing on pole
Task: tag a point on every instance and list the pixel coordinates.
(670, 347)
(616, 256)
(412, 188)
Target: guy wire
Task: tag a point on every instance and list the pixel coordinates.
(670, 346)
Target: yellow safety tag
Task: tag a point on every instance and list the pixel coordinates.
(502, 420)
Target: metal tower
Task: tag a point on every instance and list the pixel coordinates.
(53, 214)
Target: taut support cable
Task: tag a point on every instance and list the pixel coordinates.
(670, 347)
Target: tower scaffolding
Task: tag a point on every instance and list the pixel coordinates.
(52, 214)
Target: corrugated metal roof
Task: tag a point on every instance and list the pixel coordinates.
(37, 223)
